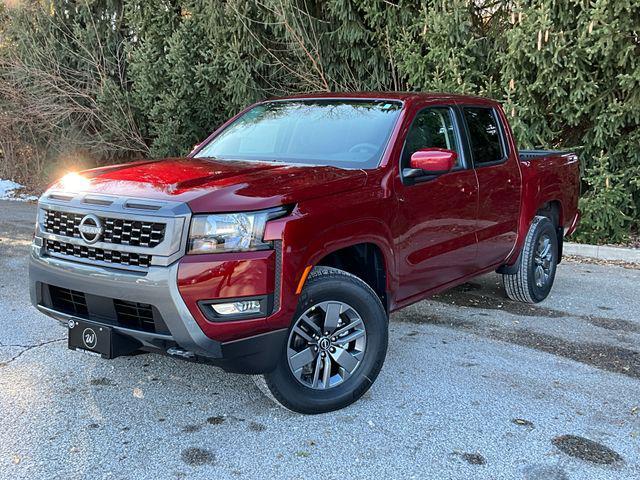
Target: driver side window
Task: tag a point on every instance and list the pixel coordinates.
(432, 128)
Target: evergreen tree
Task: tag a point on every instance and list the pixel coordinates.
(122, 78)
(571, 72)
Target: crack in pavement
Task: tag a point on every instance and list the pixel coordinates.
(26, 348)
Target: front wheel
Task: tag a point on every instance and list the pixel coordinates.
(537, 264)
(336, 346)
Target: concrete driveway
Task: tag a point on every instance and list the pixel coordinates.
(474, 386)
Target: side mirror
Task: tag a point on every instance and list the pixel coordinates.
(433, 161)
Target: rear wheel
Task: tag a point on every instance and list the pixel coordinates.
(336, 346)
(537, 264)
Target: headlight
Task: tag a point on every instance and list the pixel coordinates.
(74, 182)
(230, 232)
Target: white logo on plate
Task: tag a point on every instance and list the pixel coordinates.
(89, 338)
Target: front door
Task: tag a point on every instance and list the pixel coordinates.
(435, 228)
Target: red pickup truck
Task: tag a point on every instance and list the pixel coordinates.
(282, 243)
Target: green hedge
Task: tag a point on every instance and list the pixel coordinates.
(111, 80)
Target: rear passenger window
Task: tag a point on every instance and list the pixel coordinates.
(484, 135)
(432, 128)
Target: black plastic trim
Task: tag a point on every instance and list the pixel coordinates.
(531, 155)
(408, 181)
(509, 269)
(99, 309)
(277, 246)
(252, 355)
(560, 236)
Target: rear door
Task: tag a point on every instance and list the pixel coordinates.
(495, 161)
(435, 225)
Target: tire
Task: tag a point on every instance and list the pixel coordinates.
(536, 269)
(351, 355)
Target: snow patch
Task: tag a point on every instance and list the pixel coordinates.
(8, 191)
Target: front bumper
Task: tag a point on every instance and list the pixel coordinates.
(158, 286)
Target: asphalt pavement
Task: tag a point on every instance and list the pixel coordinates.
(474, 387)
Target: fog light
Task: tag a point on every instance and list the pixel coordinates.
(245, 307)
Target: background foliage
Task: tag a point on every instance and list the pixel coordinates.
(97, 81)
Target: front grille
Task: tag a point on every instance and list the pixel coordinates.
(91, 253)
(116, 230)
(135, 315)
(68, 301)
(133, 232)
(62, 223)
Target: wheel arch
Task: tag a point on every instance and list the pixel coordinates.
(364, 258)
(553, 211)
(552, 208)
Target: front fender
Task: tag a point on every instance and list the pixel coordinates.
(316, 229)
(363, 230)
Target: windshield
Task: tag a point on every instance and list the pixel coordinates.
(339, 133)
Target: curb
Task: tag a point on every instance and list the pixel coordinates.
(602, 252)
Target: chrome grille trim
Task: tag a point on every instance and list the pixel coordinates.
(62, 223)
(98, 254)
(133, 232)
(127, 232)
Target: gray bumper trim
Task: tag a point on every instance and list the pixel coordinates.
(157, 287)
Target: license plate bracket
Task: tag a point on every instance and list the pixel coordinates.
(91, 337)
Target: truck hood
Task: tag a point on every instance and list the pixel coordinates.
(209, 185)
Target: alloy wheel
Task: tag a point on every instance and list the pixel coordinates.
(326, 345)
(542, 261)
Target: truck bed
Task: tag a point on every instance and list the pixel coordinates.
(550, 175)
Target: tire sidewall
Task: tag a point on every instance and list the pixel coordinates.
(301, 398)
